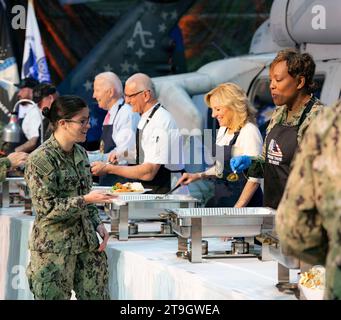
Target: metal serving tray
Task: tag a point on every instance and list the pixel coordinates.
(218, 222)
(142, 207)
(147, 206)
(198, 223)
(6, 189)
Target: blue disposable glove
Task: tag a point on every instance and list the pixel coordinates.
(240, 163)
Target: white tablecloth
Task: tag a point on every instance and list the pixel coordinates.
(149, 269)
(15, 228)
(144, 269)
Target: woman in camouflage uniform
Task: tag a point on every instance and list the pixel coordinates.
(308, 219)
(65, 251)
(291, 86)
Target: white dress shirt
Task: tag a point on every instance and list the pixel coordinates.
(161, 140)
(24, 109)
(162, 143)
(123, 133)
(32, 122)
(124, 130)
(249, 142)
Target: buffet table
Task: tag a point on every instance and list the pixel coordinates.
(149, 269)
(145, 269)
(15, 228)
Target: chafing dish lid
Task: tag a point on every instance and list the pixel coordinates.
(220, 212)
(154, 198)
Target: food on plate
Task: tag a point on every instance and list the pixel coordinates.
(128, 187)
(314, 278)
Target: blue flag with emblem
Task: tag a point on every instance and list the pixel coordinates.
(34, 60)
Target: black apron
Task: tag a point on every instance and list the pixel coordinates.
(106, 137)
(107, 145)
(227, 193)
(162, 180)
(281, 145)
(47, 131)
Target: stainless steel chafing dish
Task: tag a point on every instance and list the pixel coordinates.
(20, 196)
(141, 207)
(285, 263)
(9, 185)
(197, 223)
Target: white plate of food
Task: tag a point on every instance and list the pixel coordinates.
(312, 283)
(311, 294)
(124, 188)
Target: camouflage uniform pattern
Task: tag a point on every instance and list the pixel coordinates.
(279, 116)
(308, 219)
(64, 226)
(4, 166)
(53, 276)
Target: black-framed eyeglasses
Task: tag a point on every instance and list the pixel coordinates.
(83, 122)
(134, 94)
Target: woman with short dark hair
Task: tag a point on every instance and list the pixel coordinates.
(65, 252)
(291, 86)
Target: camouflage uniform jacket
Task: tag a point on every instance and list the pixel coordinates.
(5, 164)
(64, 223)
(308, 219)
(279, 116)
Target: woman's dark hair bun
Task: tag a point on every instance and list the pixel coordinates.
(46, 112)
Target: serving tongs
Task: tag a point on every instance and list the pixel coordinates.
(163, 196)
